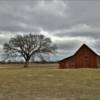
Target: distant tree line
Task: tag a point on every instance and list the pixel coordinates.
(35, 62)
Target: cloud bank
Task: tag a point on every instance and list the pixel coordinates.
(69, 23)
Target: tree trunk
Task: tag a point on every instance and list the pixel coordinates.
(26, 64)
(27, 61)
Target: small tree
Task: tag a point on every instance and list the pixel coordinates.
(27, 46)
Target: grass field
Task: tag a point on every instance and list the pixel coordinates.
(46, 82)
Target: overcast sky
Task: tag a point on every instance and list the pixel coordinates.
(69, 23)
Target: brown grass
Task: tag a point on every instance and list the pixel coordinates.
(47, 82)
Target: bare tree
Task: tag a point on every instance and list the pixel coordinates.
(27, 46)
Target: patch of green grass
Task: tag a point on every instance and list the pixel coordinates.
(49, 83)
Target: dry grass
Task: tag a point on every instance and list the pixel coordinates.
(46, 82)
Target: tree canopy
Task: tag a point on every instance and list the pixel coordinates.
(28, 46)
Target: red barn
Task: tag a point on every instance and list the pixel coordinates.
(83, 58)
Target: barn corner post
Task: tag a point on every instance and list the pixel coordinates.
(59, 65)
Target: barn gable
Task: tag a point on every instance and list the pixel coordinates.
(84, 46)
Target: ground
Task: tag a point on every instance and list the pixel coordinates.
(47, 82)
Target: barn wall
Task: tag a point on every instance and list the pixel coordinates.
(84, 58)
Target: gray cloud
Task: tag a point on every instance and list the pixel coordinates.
(47, 15)
(68, 45)
(81, 30)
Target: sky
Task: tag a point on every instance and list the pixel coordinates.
(69, 23)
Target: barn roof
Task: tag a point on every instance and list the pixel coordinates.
(84, 45)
